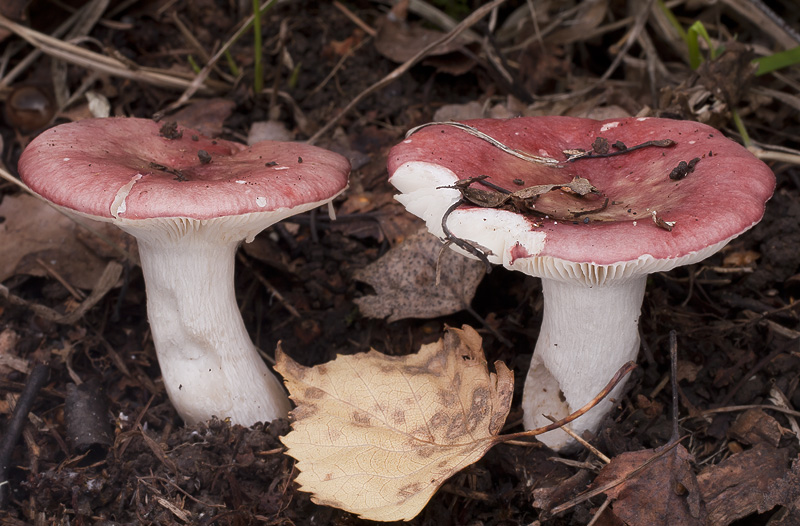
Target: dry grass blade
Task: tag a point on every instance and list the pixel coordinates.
(197, 84)
(759, 14)
(471, 20)
(629, 39)
(26, 62)
(98, 62)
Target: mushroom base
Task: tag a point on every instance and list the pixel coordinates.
(587, 334)
(209, 365)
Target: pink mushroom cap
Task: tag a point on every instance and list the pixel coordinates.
(723, 196)
(93, 165)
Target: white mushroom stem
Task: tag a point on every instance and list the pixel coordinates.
(587, 334)
(209, 364)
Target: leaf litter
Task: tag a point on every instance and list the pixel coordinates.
(380, 443)
(417, 279)
(543, 61)
(377, 435)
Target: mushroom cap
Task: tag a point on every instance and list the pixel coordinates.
(124, 168)
(722, 197)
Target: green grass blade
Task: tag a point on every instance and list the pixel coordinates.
(698, 30)
(776, 61)
(672, 19)
(232, 63)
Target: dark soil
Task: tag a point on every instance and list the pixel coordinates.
(735, 314)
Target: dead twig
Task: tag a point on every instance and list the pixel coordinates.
(103, 63)
(75, 293)
(618, 376)
(13, 429)
(614, 483)
(271, 288)
(198, 82)
(354, 19)
(452, 239)
(471, 20)
(596, 452)
(630, 38)
(107, 280)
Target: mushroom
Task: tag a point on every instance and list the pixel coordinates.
(189, 201)
(594, 207)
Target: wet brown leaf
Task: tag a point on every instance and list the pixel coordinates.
(405, 281)
(377, 435)
(755, 480)
(206, 116)
(754, 426)
(399, 41)
(662, 493)
(741, 258)
(34, 230)
(589, 17)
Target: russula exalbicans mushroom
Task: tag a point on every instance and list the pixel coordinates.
(657, 194)
(189, 201)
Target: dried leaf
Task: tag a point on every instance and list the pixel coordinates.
(755, 480)
(662, 493)
(741, 258)
(405, 281)
(589, 17)
(9, 359)
(33, 229)
(399, 41)
(754, 426)
(377, 435)
(206, 116)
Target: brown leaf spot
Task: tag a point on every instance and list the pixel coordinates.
(448, 397)
(455, 386)
(313, 393)
(334, 434)
(288, 367)
(409, 489)
(456, 429)
(438, 421)
(304, 410)
(399, 416)
(426, 452)
(360, 418)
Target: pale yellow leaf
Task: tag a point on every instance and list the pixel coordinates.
(377, 435)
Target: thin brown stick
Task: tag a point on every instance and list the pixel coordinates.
(735, 408)
(630, 38)
(599, 512)
(620, 374)
(201, 77)
(614, 483)
(596, 452)
(354, 19)
(270, 287)
(98, 62)
(75, 293)
(400, 70)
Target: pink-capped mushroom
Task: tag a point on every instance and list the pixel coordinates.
(190, 201)
(666, 193)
